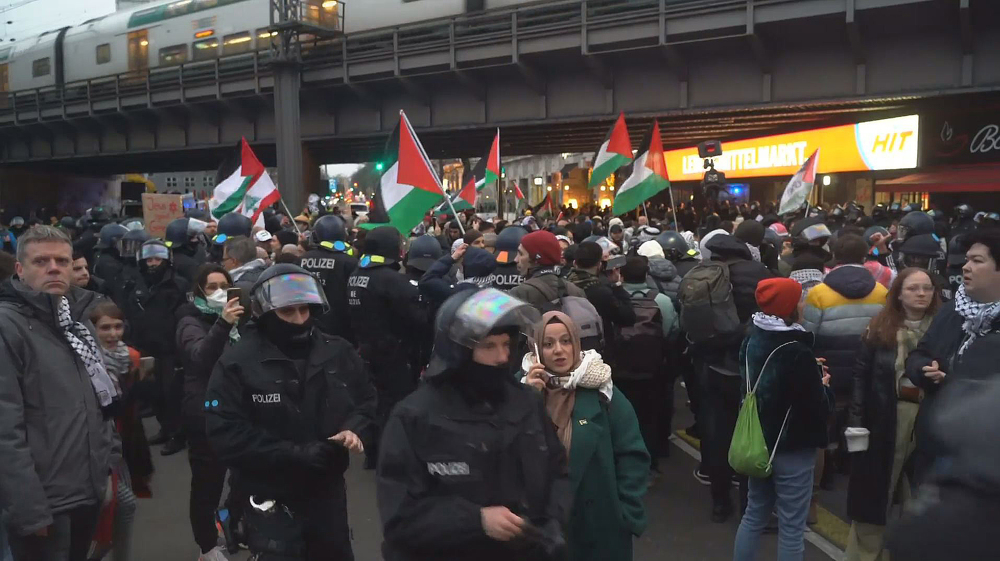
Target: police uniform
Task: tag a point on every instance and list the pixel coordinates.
(333, 263)
(267, 412)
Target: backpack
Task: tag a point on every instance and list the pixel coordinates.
(708, 308)
(639, 347)
(579, 309)
(748, 450)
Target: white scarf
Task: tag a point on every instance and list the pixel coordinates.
(768, 322)
(979, 317)
(591, 374)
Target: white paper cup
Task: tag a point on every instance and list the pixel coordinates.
(857, 439)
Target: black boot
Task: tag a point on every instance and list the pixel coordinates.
(173, 446)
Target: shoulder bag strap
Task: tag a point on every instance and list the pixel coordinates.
(776, 349)
(780, 432)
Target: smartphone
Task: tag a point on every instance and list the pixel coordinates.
(146, 365)
(234, 293)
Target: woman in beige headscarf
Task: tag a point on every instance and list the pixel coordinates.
(608, 462)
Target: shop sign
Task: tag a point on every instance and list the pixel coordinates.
(871, 145)
(961, 139)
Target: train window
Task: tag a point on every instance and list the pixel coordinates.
(176, 54)
(40, 67)
(236, 43)
(206, 49)
(103, 53)
(266, 38)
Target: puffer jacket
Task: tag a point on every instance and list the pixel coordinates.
(664, 278)
(838, 311)
(56, 446)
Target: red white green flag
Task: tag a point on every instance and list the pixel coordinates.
(797, 191)
(242, 185)
(614, 152)
(409, 185)
(649, 174)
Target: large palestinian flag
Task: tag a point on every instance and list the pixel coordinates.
(615, 152)
(649, 174)
(409, 184)
(242, 185)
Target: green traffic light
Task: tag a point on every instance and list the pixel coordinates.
(378, 166)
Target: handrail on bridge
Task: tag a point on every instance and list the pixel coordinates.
(513, 23)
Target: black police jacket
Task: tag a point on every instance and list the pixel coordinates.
(187, 260)
(150, 309)
(442, 460)
(332, 268)
(386, 312)
(257, 410)
(506, 277)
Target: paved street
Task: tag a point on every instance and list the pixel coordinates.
(678, 512)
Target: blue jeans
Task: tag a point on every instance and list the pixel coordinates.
(788, 492)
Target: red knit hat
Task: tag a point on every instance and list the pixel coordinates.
(778, 296)
(543, 247)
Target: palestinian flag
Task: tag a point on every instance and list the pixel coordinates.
(800, 186)
(517, 191)
(409, 186)
(546, 205)
(615, 152)
(242, 185)
(649, 174)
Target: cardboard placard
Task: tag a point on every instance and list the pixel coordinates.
(158, 210)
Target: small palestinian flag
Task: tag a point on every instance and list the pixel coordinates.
(409, 184)
(615, 152)
(546, 205)
(487, 171)
(517, 191)
(242, 185)
(649, 174)
(799, 186)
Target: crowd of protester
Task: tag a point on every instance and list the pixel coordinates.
(512, 382)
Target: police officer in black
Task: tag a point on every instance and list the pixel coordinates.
(506, 275)
(230, 225)
(386, 313)
(470, 466)
(182, 236)
(283, 408)
(331, 259)
(109, 261)
(423, 252)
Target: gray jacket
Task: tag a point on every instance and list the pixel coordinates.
(55, 445)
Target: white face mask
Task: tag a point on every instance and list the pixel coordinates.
(217, 300)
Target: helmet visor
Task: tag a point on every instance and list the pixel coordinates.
(196, 226)
(155, 250)
(292, 289)
(815, 232)
(487, 311)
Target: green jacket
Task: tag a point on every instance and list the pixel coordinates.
(608, 470)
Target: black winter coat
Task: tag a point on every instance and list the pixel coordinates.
(201, 340)
(259, 408)
(873, 406)
(187, 260)
(332, 268)
(150, 310)
(442, 460)
(612, 303)
(744, 272)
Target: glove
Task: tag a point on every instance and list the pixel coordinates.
(314, 455)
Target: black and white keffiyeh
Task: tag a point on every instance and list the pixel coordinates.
(979, 317)
(86, 348)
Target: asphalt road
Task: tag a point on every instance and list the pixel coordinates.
(678, 509)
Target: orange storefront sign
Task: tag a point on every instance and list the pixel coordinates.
(871, 145)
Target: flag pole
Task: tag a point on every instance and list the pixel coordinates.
(290, 215)
(673, 208)
(454, 213)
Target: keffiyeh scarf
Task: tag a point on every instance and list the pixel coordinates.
(979, 317)
(86, 348)
(768, 322)
(118, 363)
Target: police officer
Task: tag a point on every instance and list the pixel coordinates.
(423, 252)
(149, 296)
(182, 237)
(470, 466)
(331, 259)
(678, 252)
(507, 275)
(109, 261)
(283, 408)
(386, 312)
(90, 224)
(924, 252)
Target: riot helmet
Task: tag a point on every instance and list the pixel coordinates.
(913, 207)
(133, 223)
(109, 236)
(67, 223)
(914, 223)
(470, 316)
(232, 225)
(964, 212)
(153, 249)
(508, 240)
(330, 232)
(287, 285)
(16, 222)
(383, 246)
(922, 251)
(423, 252)
(674, 246)
(128, 246)
(810, 230)
(180, 231)
(875, 230)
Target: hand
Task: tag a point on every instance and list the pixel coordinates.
(615, 276)
(348, 440)
(880, 241)
(825, 369)
(232, 312)
(317, 455)
(536, 376)
(460, 252)
(933, 371)
(500, 523)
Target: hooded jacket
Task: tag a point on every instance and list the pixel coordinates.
(56, 446)
(744, 272)
(838, 311)
(478, 266)
(664, 278)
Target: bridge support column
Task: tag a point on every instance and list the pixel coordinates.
(288, 134)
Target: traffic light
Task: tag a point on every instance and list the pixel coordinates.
(378, 166)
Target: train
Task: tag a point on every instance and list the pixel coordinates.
(176, 32)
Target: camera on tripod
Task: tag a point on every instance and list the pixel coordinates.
(714, 181)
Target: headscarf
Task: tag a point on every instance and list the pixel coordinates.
(979, 317)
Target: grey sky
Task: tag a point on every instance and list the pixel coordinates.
(31, 17)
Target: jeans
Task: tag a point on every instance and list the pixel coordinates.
(786, 492)
(68, 537)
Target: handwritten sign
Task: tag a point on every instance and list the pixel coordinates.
(159, 210)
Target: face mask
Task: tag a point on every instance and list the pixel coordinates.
(481, 383)
(294, 340)
(217, 300)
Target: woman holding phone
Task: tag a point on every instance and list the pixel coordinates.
(608, 462)
(205, 328)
